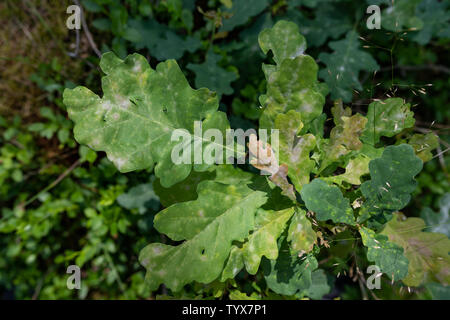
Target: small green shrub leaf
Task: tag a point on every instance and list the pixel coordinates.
(134, 120)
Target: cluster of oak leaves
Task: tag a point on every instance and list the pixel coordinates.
(276, 225)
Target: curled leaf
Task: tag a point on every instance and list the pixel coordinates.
(294, 149)
(264, 158)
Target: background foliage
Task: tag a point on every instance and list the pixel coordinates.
(64, 204)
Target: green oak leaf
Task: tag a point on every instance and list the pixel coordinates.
(344, 138)
(183, 191)
(338, 111)
(140, 109)
(387, 255)
(227, 3)
(291, 83)
(327, 202)
(392, 180)
(221, 214)
(289, 274)
(187, 189)
(438, 291)
(140, 197)
(436, 19)
(161, 41)
(294, 149)
(277, 199)
(348, 133)
(242, 11)
(245, 51)
(230, 175)
(330, 21)
(344, 65)
(293, 86)
(284, 40)
(292, 4)
(438, 222)
(355, 169)
(262, 242)
(400, 15)
(423, 144)
(387, 118)
(300, 234)
(245, 105)
(371, 152)
(319, 285)
(238, 295)
(317, 126)
(427, 252)
(210, 75)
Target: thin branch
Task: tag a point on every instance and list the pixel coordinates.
(362, 286)
(54, 183)
(433, 124)
(113, 269)
(39, 285)
(363, 280)
(441, 152)
(87, 32)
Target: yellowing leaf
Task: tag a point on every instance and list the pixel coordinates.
(291, 83)
(344, 138)
(392, 180)
(423, 144)
(301, 234)
(387, 118)
(134, 120)
(427, 252)
(283, 40)
(294, 149)
(354, 170)
(262, 242)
